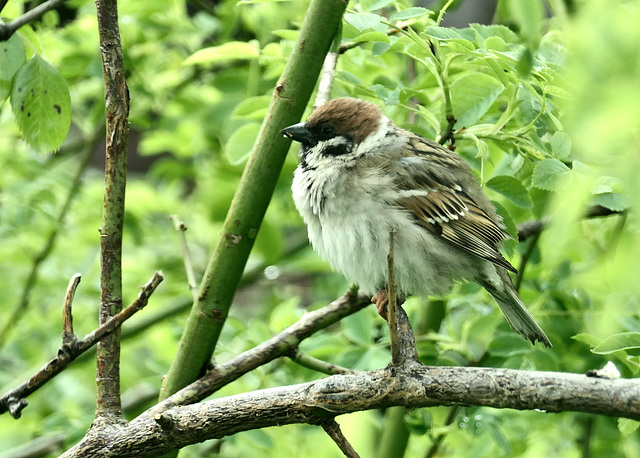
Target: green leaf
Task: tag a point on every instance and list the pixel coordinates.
(372, 36)
(409, 13)
(349, 77)
(233, 50)
(512, 189)
(627, 426)
(41, 104)
(286, 34)
(484, 32)
(588, 339)
(616, 342)
(13, 56)
(241, 142)
(500, 438)
(510, 245)
(528, 15)
(472, 95)
(363, 21)
(549, 174)
(442, 33)
(612, 200)
(252, 108)
(358, 328)
(506, 345)
(561, 145)
(372, 5)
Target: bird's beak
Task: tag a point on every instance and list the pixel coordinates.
(299, 133)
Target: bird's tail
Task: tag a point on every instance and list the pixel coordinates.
(514, 309)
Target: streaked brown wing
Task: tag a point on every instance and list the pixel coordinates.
(457, 219)
(436, 196)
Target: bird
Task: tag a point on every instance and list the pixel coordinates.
(360, 176)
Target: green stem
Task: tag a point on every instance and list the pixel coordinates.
(250, 202)
(395, 434)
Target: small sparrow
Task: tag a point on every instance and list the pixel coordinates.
(361, 176)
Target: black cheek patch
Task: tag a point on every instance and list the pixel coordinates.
(337, 150)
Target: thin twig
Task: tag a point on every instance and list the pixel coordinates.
(535, 226)
(66, 355)
(525, 259)
(6, 30)
(396, 357)
(108, 404)
(327, 76)
(181, 228)
(317, 364)
(397, 28)
(332, 428)
(68, 336)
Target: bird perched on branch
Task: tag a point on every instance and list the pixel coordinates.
(361, 176)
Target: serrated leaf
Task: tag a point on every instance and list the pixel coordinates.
(12, 56)
(41, 104)
(561, 145)
(611, 200)
(549, 174)
(512, 189)
(627, 426)
(409, 13)
(617, 342)
(227, 52)
(364, 21)
(472, 95)
(241, 142)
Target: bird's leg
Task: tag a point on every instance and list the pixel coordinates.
(381, 300)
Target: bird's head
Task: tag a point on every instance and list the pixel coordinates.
(344, 129)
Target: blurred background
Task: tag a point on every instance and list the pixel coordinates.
(546, 92)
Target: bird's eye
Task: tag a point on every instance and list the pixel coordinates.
(326, 132)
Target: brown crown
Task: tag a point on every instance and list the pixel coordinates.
(349, 117)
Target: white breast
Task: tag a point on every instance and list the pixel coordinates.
(349, 214)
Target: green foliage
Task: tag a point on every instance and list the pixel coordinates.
(546, 112)
(39, 96)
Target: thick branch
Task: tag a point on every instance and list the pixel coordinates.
(117, 114)
(314, 402)
(251, 200)
(280, 345)
(14, 401)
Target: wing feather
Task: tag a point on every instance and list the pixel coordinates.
(443, 207)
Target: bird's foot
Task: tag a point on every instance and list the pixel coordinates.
(382, 300)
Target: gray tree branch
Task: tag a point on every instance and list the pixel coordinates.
(315, 402)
